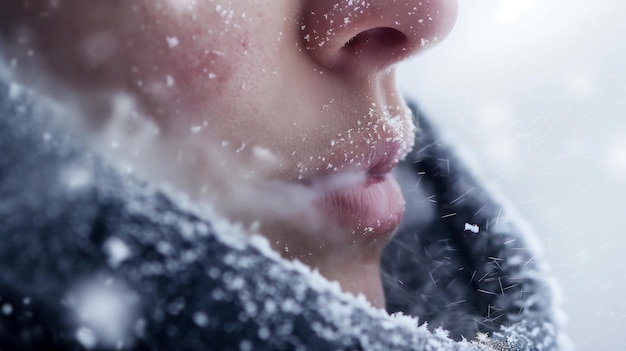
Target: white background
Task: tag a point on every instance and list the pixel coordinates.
(536, 91)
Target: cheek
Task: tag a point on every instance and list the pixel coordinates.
(230, 82)
(203, 82)
(227, 78)
(192, 72)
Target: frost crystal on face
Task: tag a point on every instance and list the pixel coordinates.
(172, 42)
(194, 129)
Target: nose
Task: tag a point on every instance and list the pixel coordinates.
(371, 35)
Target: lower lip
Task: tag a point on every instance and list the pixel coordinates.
(372, 207)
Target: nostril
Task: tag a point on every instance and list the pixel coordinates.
(368, 37)
(376, 38)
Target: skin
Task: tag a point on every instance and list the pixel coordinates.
(296, 91)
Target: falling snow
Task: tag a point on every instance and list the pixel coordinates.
(117, 251)
(7, 309)
(472, 228)
(86, 338)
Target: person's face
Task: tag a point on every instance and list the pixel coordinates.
(304, 88)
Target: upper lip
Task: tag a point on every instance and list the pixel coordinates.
(378, 161)
(373, 149)
(384, 158)
(385, 153)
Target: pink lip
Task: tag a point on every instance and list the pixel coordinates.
(366, 199)
(384, 158)
(372, 208)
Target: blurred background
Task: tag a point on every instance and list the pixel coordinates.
(536, 92)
